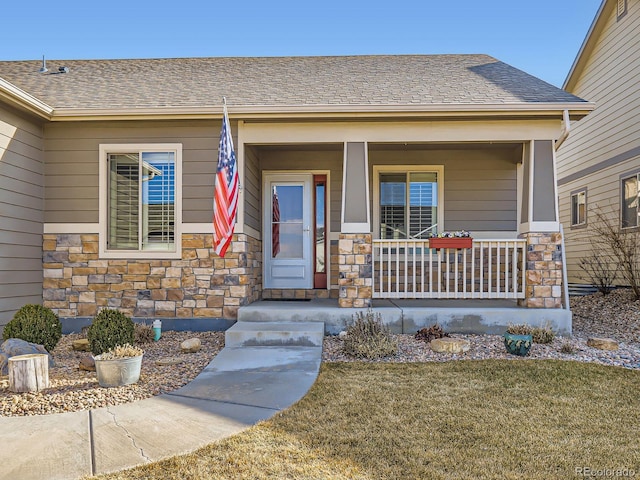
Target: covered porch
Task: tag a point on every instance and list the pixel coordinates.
(384, 197)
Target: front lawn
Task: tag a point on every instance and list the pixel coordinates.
(492, 419)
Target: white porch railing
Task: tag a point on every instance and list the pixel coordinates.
(410, 269)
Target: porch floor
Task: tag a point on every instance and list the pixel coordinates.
(409, 316)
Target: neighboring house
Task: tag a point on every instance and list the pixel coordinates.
(347, 165)
(599, 164)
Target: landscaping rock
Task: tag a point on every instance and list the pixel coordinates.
(450, 345)
(191, 345)
(602, 343)
(16, 346)
(81, 345)
(168, 361)
(87, 363)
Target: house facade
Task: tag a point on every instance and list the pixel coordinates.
(599, 164)
(347, 166)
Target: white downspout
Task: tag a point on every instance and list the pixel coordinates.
(566, 128)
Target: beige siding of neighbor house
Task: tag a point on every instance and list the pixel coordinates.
(21, 217)
(605, 144)
(72, 164)
(480, 186)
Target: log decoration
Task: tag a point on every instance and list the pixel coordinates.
(29, 373)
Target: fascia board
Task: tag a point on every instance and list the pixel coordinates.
(22, 99)
(576, 109)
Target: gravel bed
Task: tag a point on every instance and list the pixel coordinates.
(615, 316)
(72, 389)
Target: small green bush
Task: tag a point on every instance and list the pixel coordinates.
(143, 333)
(369, 338)
(109, 329)
(35, 324)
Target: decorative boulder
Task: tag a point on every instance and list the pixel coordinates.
(16, 346)
(602, 343)
(81, 345)
(87, 363)
(450, 345)
(190, 346)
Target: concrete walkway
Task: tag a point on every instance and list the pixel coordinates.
(241, 386)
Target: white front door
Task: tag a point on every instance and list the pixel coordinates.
(287, 230)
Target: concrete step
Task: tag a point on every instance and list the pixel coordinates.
(269, 334)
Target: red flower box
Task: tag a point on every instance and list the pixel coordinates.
(450, 242)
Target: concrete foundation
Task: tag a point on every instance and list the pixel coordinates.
(409, 316)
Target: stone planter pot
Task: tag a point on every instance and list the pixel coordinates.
(118, 372)
(518, 344)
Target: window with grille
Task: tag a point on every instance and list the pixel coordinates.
(408, 204)
(140, 195)
(579, 208)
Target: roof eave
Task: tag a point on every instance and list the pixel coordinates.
(23, 100)
(256, 112)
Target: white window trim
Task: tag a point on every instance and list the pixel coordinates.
(621, 199)
(576, 193)
(106, 149)
(378, 169)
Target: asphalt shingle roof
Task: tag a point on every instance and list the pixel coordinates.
(279, 81)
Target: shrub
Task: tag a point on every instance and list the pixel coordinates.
(122, 351)
(568, 348)
(520, 329)
(143, 333)
(35, 324)
(109, 329)
(369, 338)
(431, 333)
(543, 334)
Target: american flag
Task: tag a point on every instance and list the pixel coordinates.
(225, 194)
(275, 224)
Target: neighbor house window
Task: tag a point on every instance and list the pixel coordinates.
(139, 211)
(629, 201)
(578, 208)
(408, 204)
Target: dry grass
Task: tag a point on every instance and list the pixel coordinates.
(474, 419)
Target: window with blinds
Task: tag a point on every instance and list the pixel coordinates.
(141, 201)
(408, 205)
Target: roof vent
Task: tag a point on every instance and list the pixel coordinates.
(622, 8)
(63, 69)
(43, 68)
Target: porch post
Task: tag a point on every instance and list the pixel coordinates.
(540, 227)
(355, 279)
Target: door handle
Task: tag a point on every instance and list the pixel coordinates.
(306, 229)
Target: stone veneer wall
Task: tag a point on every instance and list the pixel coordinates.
(355, 278)
(543, 278)
(77, 283)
